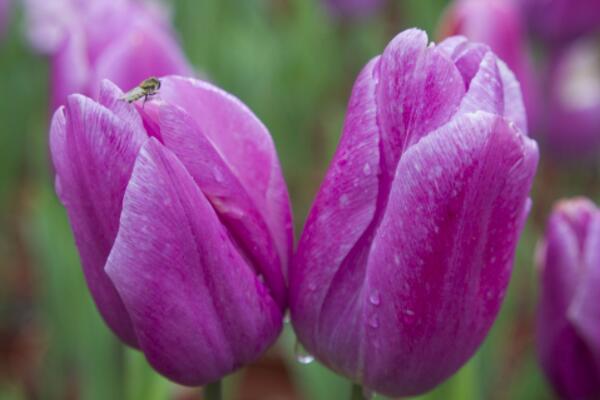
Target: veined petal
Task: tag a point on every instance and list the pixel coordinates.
(93, 153)
(246, 147)
(341, 213)
(442, 256)
(198, 308)
(420, 89)
(229, 198)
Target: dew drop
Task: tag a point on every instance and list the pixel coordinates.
(409, 316)
(374, 321)
(302, 356)
(374, 298)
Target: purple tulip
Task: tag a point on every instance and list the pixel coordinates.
(568, 328)
(124, 41)
(353, 8)
(182, 221)
(498, 24)
(407, 251)
(559, 21)
(573, 129)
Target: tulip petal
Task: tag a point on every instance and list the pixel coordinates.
(584, 311)
(514, 107)
(567, 329)
(198, 308)
(420, 89)
(229, 198)
(478, 172)
(342, 211)
(245, 145)
(485, 91)
(93, 152)
(467, 185)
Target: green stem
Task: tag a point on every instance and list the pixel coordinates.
(357, 392)
(213, 391)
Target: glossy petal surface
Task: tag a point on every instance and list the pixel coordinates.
(198, 309)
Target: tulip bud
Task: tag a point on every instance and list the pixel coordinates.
(559, 21)
(407, 251)
(568, 325)
(498, 24)
(182, 220)
(121, 40)
(353, 8)
(573, 129)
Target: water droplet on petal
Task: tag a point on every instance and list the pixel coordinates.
(409, 316)
(374, 321)
(302, 356)
(374, 298)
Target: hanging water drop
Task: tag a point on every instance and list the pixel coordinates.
(302, 356)
(374, 298)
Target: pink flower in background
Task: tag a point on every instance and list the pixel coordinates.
(353, 8)
(407, 251)
(125, 41)
(573, 114)
(559, 21)
(182, 220)
(568, 326)
(498, 24)
(4, 15)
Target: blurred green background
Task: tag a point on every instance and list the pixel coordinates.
(294, 66)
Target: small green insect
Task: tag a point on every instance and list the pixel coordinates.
(146, 89)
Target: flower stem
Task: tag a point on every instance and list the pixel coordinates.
(357, 392)
(212, 391)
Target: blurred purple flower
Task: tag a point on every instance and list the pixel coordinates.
(182, 221)
(407, 251)
(125, 41)
(558, 21)
(568, 327)
(353, 8)
(573, 115)
(497, 23)
(4, 16)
